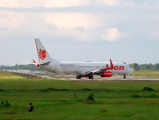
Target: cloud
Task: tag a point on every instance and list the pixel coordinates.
(72, 20)
(66, 3)
(80, 26)
(130, 3)
(9, 20)
(113, 34)
(107, 2)
(15, 25)
(8, 24)
(85, 26)
(53, 3)
(21, 3)
(85, 35)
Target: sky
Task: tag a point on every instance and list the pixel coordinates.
(80, 30)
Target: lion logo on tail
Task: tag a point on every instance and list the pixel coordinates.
(42, 54)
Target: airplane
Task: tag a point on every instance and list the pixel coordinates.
(80, 69)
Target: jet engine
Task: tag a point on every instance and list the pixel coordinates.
(106, 74)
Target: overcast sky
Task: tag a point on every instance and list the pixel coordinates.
(80, 30)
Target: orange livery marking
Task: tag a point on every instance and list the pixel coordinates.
(116, 67)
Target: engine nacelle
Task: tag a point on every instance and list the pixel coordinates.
(106, 74)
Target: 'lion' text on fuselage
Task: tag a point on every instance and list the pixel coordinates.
(116, 67)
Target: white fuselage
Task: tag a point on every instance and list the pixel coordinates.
(82, 68)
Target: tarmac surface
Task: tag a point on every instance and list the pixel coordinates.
(48, 75)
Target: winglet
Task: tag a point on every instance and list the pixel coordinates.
(108, 68)
(111, 64)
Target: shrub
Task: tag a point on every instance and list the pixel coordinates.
(90, 97)
(5, 104)
(148, 89)
(104, 111)
(136, 96)
(153, 96)
(1, 90)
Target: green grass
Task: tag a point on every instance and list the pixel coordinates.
(8, 75)
(146, 73)
(66, 100)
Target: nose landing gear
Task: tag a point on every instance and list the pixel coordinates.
(124, 76)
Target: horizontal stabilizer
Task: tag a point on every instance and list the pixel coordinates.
(46, 63)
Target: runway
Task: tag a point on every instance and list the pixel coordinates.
(48, 75)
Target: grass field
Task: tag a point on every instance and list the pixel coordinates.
(67, 100)
(146, 73)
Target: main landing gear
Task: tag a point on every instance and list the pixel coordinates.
(90, 76)
(78, 76)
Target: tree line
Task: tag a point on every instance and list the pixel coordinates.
(20, 67)
(149, 66)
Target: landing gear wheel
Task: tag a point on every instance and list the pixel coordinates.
(124, 76)
(91, 77)
(78, 77)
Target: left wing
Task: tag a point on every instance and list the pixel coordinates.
(108, 68)
(97, 72)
